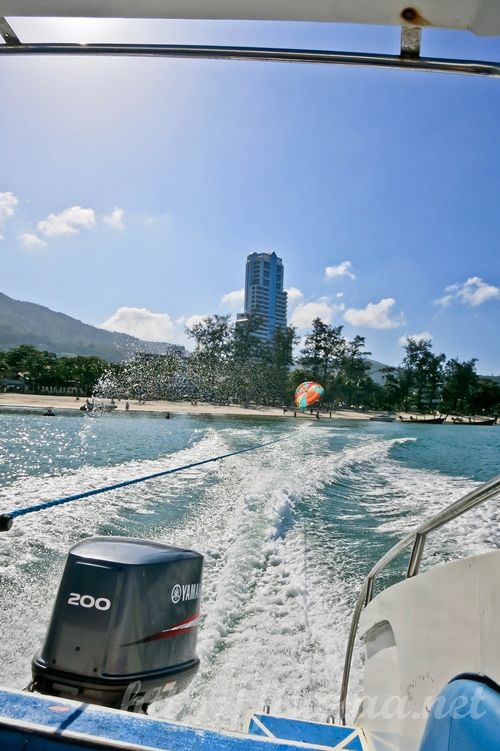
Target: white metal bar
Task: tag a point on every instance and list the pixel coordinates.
(480, 16)
(261, 725)
(343, 743)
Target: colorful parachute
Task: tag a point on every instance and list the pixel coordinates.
(307, 394)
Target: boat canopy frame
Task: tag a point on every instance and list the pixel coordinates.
(477, 17)
(481, 17)
(408, 59)
(417, 539)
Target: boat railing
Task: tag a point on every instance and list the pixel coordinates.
(408, 59)
(417, 539)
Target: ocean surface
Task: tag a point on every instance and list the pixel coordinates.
(288, 533)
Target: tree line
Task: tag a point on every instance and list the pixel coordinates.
(230, 364)
(425, 382)
(38, 371)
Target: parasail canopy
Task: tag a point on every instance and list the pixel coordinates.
(307, 394)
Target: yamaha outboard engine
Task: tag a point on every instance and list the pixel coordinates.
(124, 626)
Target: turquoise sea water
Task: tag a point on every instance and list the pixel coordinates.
(288, 532)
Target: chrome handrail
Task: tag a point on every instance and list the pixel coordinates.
(417, 537)
(265, 54)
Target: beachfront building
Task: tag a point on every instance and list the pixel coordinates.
(264, 295)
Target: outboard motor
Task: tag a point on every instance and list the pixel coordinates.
(124, 626)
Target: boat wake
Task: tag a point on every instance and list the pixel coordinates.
(287, 532)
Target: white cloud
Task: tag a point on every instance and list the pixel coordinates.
(8, 203)
(193, 320)
(474, 291)
(305, 313)
(32, 241)
(343, 269)
(374, 316)
(445, 300)
(68, 222)
(144, 324)
(147, 219)
(424, 336)
(151, 327)
(234, 300)
(295, 295)
(115, 219)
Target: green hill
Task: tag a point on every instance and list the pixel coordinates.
(28, 323)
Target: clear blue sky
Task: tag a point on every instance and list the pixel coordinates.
(173, 171)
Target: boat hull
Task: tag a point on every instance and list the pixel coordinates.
(491, 421)
(423, 420)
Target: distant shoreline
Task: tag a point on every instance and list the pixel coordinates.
(38, 402)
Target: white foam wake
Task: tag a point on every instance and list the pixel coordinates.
(287, 533)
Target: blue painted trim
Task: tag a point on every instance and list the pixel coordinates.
(314, 733)
(47, 723)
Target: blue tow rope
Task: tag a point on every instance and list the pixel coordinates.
(7, 519)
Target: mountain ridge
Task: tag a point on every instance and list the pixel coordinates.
(23, 322)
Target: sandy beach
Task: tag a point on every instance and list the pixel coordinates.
(41, 402)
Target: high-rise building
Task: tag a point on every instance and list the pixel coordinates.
(264, 295)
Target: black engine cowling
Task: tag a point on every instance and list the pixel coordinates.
(124, 626)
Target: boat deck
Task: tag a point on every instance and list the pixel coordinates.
(45, 723)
